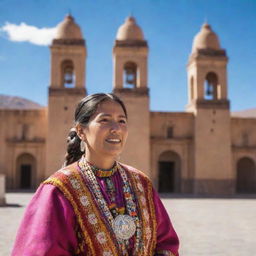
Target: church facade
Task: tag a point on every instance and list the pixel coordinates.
(204, 150)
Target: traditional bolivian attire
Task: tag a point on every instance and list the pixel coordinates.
(82, 211)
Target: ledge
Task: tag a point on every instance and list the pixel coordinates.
(132, 91)
(217, 104)
(23, 140)
(131, 43)
(56, 91)
(68, 42)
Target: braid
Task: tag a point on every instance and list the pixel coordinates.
(73, 148)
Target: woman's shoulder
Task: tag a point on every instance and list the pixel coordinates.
(63, 173)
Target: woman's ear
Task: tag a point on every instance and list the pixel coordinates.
(80, 132)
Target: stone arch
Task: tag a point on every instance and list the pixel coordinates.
(130, 74)
(211, 86)
(26, 171)
(246, 175)
(169, 172)
(68, 74)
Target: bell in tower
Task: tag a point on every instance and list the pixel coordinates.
(130, 75)
(68, 74)
(130, 55)
(211, 86)
(68, 52)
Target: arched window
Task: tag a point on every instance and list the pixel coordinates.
(210, 86)
(192, 93)
(130, 75)
(68, 74)
(169, 132)
(25, 132)
(246, 176)
(169, 169)
(245, 139)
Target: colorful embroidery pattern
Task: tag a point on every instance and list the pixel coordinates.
(91, 181)
(146, 208)
(98, 234)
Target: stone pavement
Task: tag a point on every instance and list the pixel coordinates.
(206, 227)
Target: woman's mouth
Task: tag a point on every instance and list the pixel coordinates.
(113, 141)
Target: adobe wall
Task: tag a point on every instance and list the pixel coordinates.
(16, 140)
(181, 143)
(243, 138)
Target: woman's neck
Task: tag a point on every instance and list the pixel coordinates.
(102, 163)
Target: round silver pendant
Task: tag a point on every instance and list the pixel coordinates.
(124, 227)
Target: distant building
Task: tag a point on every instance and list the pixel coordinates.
(204, 150)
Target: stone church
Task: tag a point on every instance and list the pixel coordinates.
(204, 150)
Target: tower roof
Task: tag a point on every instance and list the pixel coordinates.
(206, 39)
(129, 30)
(68, 29)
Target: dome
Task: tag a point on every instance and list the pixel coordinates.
(206, 39)
(68, 29)
(130, 30)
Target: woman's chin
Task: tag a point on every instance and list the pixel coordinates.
(114, 153)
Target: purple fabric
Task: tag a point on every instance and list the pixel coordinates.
(48, 225)
(116, 179)
(167, 238)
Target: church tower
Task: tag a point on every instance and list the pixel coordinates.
(208, 100)
(67, 88)
(130, 57)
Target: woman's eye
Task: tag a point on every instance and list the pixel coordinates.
(122, 121)
(103, 120)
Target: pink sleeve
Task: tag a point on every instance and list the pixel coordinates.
(47, 227)
(167, 239)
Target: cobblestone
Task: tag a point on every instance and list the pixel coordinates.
(206, 227)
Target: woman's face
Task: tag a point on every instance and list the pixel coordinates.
(105, 134)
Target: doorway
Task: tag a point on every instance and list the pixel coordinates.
(166, 177)
(246, 176)
(26, 171)
(169, 172)
(25, 176)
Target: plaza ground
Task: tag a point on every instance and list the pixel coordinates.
(206, 226)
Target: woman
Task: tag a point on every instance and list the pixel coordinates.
(95, 205)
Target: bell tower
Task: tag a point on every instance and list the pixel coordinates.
(208, 100)
(130, 57)
(67, 87)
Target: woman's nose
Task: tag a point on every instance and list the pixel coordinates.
(115, 127)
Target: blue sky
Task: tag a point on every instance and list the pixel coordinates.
(168, 25)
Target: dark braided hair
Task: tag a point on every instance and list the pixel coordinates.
(84, 111)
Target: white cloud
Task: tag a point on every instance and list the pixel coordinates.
(27, 33)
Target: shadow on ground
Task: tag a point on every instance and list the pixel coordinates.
(11, 205)
(192, 196)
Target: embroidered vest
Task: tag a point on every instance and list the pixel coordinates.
(97, 237)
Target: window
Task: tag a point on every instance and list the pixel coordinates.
(192, 96)
(130, 75)
(169, 132)
(25, 131)
(68, 75)
(210, 86)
